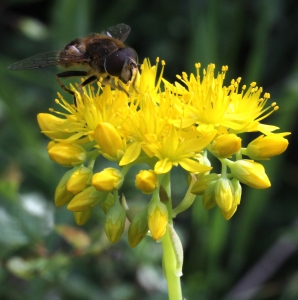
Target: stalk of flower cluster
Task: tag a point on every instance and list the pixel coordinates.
(169, 267)
(169, 257)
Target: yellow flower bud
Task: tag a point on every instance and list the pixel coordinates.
(81, 217)
(224, 194)
(208, 196)
(51, 126)
(86, 199)
(50, 145)
(250, 173)
(225, 145)
(138, 228)
(237, 190)
(229, 214)
(108, 180)
(79, 180)
(157, 219)
(264, 147)
(109, 141)
(62, 195)
(67, 155)
(107, 203)
(237, 197)
(147, 181)
(202, 183)
(115, 222)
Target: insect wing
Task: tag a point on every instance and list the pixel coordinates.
(46, 59)
(119, 31)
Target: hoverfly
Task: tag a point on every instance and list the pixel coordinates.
(103, 55)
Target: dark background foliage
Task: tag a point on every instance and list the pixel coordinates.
(44, 255)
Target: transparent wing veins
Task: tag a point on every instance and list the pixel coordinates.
(46, 59)
(119, 31)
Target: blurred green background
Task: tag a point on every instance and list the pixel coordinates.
(45, 255)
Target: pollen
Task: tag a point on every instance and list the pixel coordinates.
(198, 65)
(224, 68)
(267, 95)
(253, 84)
(231, 88)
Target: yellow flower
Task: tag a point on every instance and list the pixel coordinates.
(107, 203)
(62, 195)
(138, 228)
(86, 199)
(174, 149)
(109, 141)
(228, 214)
(67, 155)
(206, 100)
(203, 182)
(107, 180)
(79, 180)
(162, 125)
(82, 217)
(52, 126)
(157, 219)
(209, 196)
(146, 181)
(237, 190)
(250, 173)
(225, 145)
(264, 147)
(115, 222)
(224, 194)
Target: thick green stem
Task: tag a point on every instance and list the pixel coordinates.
(169, 258)
(170, 268)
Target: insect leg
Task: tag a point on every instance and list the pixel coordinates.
(108, 80)
(88, 81)
(134, 77)
(69, 74)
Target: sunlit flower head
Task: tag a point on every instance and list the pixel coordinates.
(163, 125)
(205, 100)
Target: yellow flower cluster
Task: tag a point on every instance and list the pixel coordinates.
(164, 125)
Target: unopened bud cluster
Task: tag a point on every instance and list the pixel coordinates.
(224, 190)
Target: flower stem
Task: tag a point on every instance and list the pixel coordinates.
(171, 260)
(169, 268)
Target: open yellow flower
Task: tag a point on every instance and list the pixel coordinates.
(206, 100)
(163, 125)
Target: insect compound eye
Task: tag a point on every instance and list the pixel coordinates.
(114, 63)
(120, 63)
(131, 53)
